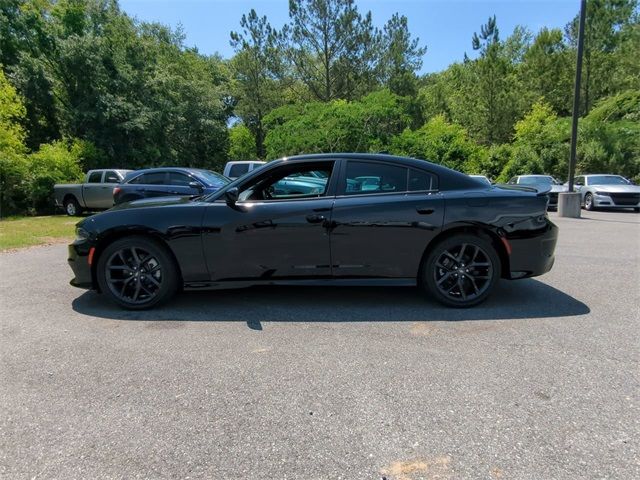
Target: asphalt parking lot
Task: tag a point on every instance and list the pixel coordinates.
(308, 383)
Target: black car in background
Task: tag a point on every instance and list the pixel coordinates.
(168, 182)
(369, 220)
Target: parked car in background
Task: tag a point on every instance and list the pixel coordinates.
(167, 182)
(608, 191)
(95, 194)
(417, 223)
(541, 183)
(482, 178)
(237, 169)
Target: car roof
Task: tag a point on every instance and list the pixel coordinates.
(237, 162)
(536, 175)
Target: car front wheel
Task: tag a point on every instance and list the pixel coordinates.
(461, 271)
(137, 273)
(588, 202)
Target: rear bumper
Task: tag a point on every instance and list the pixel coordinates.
(78, 261)
(532, 251)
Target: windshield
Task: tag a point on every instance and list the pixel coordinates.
(542, 180)
(607, 180)
(212, 178)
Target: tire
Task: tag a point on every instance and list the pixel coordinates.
(461, 271)
(588, 202)
(72, 207)
(137, 273)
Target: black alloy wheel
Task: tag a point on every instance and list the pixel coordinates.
(137, 273)
(461, 271)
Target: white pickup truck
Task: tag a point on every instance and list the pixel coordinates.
(237, 169)
(95, 194)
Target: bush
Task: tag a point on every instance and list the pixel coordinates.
(57, 162)
(242, 143)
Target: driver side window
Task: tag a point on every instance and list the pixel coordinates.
(289, 182)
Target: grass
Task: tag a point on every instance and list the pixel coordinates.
(18, 232)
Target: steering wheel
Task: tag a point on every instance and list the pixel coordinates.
(268, 192)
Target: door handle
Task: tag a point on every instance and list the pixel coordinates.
(315, 218)
(424, 210)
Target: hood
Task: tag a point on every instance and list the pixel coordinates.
(617, 188)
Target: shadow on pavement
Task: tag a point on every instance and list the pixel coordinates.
(521, 299)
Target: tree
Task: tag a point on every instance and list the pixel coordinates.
(331, 47)
(401, 56)
(257, 68)
(242, 144)
(608, 22)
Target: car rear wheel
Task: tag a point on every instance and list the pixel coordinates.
(588, 202)
(72, 207)
(137, 273)
(461, 271)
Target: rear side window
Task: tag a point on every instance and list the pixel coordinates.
(420, 181)
(95, 177)
(373, 178)
(238, 169)
(155, 178)
(111, 177)
(176, 178)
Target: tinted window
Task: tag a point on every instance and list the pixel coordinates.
(238, 169)
(370, 177)
(95, 177)
(289, 183)
(155, 178)
(176, 178)
(111, 177)
(419, 180)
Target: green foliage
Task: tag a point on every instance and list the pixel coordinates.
(367, 125)
(242, 144)
(440, 142)
(57, 162)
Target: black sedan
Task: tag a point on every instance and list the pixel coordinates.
(376, 220)
(168, 181)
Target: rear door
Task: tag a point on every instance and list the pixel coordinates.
(93, 190)
(150, 184)
(384, 216)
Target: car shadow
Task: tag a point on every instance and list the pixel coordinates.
(522, 299)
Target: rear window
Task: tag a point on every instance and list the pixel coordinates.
(180, 179)
(372, 178)
(95, 177)
(419, 181)
(238, 169)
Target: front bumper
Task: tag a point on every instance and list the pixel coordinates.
(613, 201)
(79, 263)
(532, 251)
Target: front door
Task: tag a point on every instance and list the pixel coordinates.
(277, 229)
(383, 218)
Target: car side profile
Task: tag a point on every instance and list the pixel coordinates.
(607, 191)
(370, 220)
(169, 181)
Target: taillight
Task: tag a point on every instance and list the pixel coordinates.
(116, 190)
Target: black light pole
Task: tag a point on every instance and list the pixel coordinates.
(576, 98)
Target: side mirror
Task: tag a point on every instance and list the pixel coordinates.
(197, 185)
(231, 195)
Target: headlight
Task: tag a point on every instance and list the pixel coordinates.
(602, 193)
(82, 234)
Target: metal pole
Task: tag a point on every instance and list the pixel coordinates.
(576, 97)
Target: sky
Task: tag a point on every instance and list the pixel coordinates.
(444, 26)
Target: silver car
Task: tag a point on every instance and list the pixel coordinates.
(540, 182)
(607, 191)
